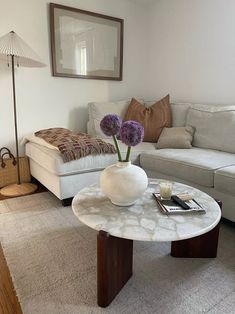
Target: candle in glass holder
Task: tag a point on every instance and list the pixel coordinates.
(165, 190)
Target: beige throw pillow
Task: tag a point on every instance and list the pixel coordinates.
(153, 118)
(177, 137)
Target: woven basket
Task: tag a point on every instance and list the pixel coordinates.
(8, 174)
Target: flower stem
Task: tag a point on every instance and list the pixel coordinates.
(128, 153)
(117, 148)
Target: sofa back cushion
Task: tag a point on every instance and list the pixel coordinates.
(179, 113)
(214, 127)
(153, 118)
(97, 110)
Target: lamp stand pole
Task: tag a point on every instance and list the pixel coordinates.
(18, 189)
(15, 118)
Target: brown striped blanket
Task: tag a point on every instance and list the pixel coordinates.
(73, 146)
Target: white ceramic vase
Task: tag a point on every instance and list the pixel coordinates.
(123, 183)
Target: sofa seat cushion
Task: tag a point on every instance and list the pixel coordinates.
(195, 165)
(225, 180)
(51, 159)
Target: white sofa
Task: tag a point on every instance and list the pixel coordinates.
(209, 165)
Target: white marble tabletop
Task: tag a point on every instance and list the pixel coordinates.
(143, 221)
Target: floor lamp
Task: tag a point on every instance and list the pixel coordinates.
(15, 52)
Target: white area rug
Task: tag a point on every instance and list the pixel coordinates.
(52, 259)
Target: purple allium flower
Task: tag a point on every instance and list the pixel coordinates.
(131, 133)
(111, 124)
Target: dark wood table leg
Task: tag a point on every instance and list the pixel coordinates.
(114, 266)
(203, 246)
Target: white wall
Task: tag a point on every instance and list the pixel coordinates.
(192, 50)
(47, 101)
(182, 47)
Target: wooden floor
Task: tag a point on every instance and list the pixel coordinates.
(8, 300)
(9, 303)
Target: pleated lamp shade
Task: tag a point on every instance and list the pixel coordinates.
(12, 45)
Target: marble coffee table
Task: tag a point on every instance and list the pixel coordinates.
(191, 235)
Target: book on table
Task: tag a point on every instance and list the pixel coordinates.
(170, 207)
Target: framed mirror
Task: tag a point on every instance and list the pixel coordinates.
(85, 44)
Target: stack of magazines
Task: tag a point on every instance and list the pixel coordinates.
(171, 207)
